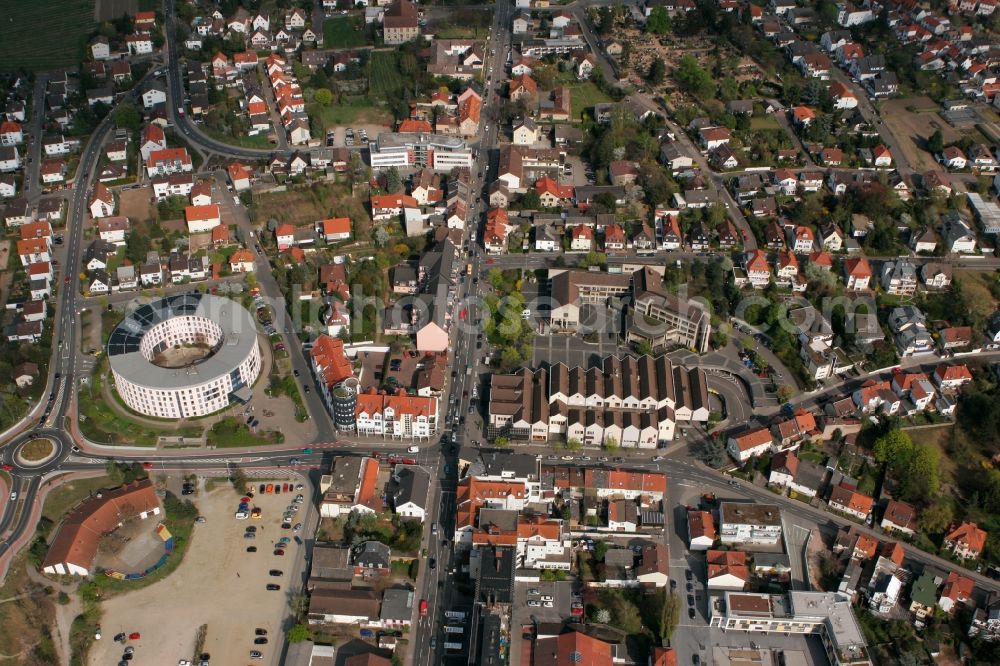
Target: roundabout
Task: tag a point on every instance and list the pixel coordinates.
(36, 453)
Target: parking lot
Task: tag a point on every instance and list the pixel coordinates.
(219, 584)
(545, 601)
(338, 136)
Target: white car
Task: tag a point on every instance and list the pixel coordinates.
(546, 597)
(548, 604)
(533, 603)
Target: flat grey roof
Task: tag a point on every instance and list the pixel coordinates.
(239, 334)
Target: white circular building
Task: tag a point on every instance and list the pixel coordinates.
(185, 356)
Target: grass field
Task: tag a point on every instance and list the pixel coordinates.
(354, 111)
(66, 25)
(384, 79)
(38, 449)
(256, 141)
(60, 500)
(344, 32)
(764, 123)
(585, 95)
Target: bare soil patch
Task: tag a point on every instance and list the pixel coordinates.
(218, 584)
(913, 129)
(135, 203)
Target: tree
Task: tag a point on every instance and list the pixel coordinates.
(657, 71)
(573, 444)
(670, 615)
(128, 117)
(936, 518)
(602, 616)
(610, 444)
(785, 392)
(659, 22)
(502, 442)
(298, 634)
(393, 183)
(894, 448)
(530, 200)
(381, 237)
(935, 142)
(600, 551)
(323, 97)
(692, 77)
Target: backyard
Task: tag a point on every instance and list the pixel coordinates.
(384, 78)
(344, 32)
(584, 95)
(66, 25)
(348, 112)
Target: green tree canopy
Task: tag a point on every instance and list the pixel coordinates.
(659, 22)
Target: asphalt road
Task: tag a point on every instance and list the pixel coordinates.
(435, 585)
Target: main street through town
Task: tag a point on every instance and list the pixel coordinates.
(55, 416)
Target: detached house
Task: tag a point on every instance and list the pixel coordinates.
(966, 541)
(899, 517)
(857, 274)
(850, 501)
(102, 203)
(750, 444)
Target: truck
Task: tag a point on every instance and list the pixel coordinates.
(455, 615)
(468, 269)
(423, 608)
(454, 630)
(180, 111)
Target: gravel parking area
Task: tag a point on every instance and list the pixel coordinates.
(219, 584)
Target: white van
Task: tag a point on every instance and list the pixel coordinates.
(413, 449)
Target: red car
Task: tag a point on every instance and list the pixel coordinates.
(147, 465)
(66, 280)
(8, 468)
(490, 262)
(134, 636)
(279, 552)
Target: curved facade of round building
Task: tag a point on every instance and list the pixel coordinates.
(185, 356)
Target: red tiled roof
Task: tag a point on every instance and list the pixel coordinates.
(969, 535)
(328, 355)
(336, 225)
(858, 267)
(410, 125)
(80, 532)
(201, 213)
(753, 438)
(700, 524)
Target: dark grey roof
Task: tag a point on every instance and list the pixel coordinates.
(520, 465)
(496, 576)
(371, 555)
(330, 562)
(397, 604)
(412, 486)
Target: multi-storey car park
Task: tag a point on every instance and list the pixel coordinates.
(185, 356)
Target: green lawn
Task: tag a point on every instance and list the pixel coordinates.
(344, 32)
(229, 432)
(764, 123)
(584, 95)
(60, 500)
(41, 36)
(355, 110)
(384, 79)
(256, 141)
(102, 423)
